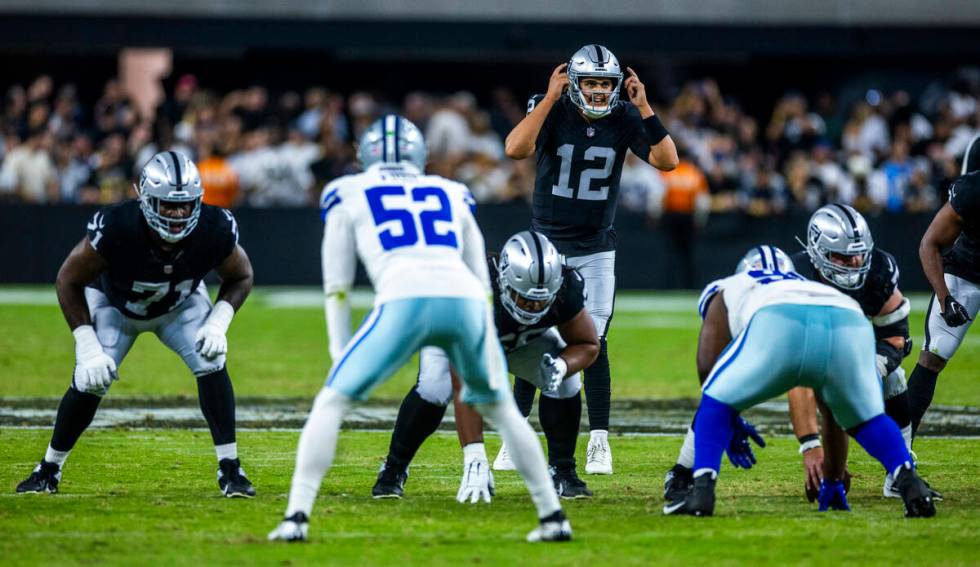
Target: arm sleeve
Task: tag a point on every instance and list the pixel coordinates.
(639, 143)
(544, 135)
(339, 261)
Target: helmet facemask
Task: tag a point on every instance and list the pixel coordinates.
(512, 299)
(844, 273)
(839, 244)
(587, 101)
(170, 229)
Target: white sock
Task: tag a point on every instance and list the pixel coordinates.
(474, 452)
(907, 435)
(704, 471)
(226, 451)
(597, 434)
(686, 458)
(57, 457)
(315, 452)
(526, 453)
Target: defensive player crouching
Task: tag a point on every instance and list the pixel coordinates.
(424, 253)
(791, 332)
(581, 139)
(548, 338)
(140, 269)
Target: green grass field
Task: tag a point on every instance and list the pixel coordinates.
(282, 351)
(149, 497)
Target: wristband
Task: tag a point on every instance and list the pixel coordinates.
(811, 441)
(221, 315)
(655, 129)
(87, 342)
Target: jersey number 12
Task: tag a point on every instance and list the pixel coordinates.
(585, 192)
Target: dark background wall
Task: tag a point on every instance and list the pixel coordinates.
(284, 244)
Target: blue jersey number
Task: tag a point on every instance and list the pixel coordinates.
(769, 276)
(409, 234)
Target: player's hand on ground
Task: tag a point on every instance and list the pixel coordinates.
(636, 90)
(551, 371)
(477, 482)
(739, 449)
(832, 496)
(94, 369)
(813, 469)
(558, 82)
(954, 313)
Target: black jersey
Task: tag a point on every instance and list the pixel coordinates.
(579, 167)
(568, 303)
(880, 284)
(963, 259)
(142, 280)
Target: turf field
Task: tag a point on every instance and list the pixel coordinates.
(150, 497)
(277, 347)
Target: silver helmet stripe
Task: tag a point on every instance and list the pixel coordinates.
(855, 231)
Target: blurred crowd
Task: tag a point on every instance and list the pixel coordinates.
(882, 153)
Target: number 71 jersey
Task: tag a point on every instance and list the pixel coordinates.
(579, 167)
(414, 233)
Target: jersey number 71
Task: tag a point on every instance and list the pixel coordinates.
(407, 219)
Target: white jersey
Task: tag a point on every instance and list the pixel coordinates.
(747, 292)
(414, 233)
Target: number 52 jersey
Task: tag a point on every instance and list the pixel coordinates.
(415, 235)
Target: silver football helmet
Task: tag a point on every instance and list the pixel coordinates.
(529, 274)
(168, 178)
(839, 244)
(594, 61)
(392, 139)
(768, 258)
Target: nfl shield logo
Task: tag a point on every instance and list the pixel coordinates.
(168, 269)
(590, 131)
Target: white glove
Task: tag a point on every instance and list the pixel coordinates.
(882, 364)
(477, 482)
(94, 369)
(210, 338)
(552, 371)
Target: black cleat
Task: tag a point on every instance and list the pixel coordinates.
(699, 502)
(916, 495)
(567, 483)
(293, 529)
(44, 479)
(678, 483)
(232, 480)
(391, 482)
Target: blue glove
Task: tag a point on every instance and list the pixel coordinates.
(739, 451)
(832, 496)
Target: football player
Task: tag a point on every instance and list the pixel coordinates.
(140, 269)
(840, 252)
(950, 255)
(581, 138)
(779, 331)
(424, 253)
(548, 337)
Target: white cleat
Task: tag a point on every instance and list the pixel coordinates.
(889, 489)
(503, 462)
(559, 530)
(598, 456)
(291, 530)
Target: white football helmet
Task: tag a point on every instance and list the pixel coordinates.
(768, 258)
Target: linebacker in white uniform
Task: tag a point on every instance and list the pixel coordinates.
(425, 255)
(791, 332)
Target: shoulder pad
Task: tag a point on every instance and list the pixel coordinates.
(710, 291)
(329, 198)
(533, 102)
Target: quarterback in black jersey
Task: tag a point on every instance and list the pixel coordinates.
(548, 337)
(580, 138)
(950, 256)
(140, 269)
(840, 252)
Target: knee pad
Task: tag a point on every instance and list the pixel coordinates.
(894, 384)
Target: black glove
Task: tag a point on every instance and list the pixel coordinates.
(953, 313)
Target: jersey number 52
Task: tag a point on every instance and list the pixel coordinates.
(406, 219)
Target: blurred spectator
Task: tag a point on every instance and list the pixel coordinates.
(29, 173)
(686, 204)
(806, 192)
(889, 184)
(448, 133)
(641, 188)
(219, 179)
(74, 164)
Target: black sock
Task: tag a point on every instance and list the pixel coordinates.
(417, 420)
(560, 419)
(922, 386)
(524, 395)
(597, 390)
(899, 409)
(75, 413)
(217, 399)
